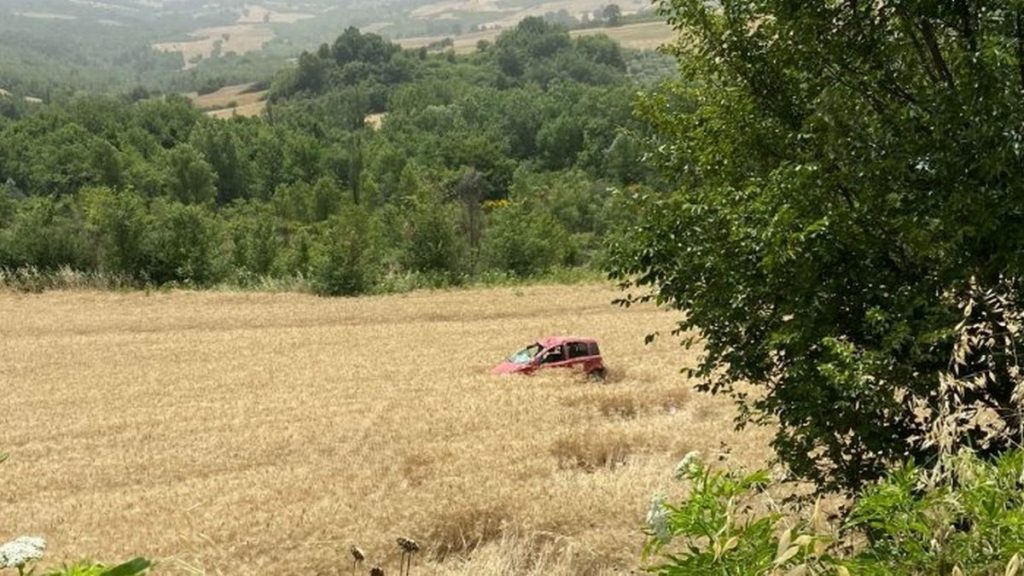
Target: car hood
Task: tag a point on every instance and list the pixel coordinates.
(507, 367)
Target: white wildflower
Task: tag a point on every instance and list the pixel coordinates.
(657, 519)
(688, 464)
(17, 553)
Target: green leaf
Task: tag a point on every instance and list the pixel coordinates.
(130, 568)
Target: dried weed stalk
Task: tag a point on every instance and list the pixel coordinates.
(979, 405)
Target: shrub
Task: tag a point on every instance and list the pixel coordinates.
(183, 245)
(970, 521)
(434, 242)
(349, 262)
(523, 242)
(119, 222)
(44, 233)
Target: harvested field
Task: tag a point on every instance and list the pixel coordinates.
(45, 16)
(237, 38)
(237, 100)
(643, 36)
(242, 433)
(258, 14)
(375, 121)
(515, 11)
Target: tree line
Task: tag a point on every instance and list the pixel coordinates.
(499, 163)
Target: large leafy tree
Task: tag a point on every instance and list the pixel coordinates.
(848, 184)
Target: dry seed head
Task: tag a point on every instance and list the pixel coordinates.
(408, 545)
(376, 571)
(357, 553)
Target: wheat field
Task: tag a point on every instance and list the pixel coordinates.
(230, 101)
(253, 433)
(640, 36)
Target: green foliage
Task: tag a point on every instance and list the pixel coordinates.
(975, 524)
(147, 190)
(133, 567)
(523, 241)
(721, 528)
(183, 245)
(119, 220)
(434, 240)
(253, 232)
(350, 262)
(44, 233)
(218, 145)
(189, 177)
(842, 172)
(906, 524)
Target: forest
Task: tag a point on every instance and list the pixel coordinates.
(374, 168)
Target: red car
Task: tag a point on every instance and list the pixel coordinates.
(556, 352)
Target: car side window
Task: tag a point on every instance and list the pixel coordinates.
(578, 350)
(553, 355)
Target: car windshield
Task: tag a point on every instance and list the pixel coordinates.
(526, 355)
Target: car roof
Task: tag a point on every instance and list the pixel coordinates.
(556, 340)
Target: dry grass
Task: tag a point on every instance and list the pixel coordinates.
(45, 15)
(237, 38)
(252, 110)
(375, 121)
(237, 100)
(240, 433)
(642, 36)
(261, 14)
(513, 12)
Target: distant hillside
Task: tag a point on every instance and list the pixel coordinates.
(53, 48)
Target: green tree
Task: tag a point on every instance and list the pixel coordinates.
(45, 233)
(119, 221)
(522, 241)
(184, 244)
(254, 242)
(612, 14)
(434, 243)
(189, 177)
(847, 176)
(349, 262)
(219, 146)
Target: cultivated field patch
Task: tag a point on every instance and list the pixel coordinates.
(642, 36)
(237, 38)
(240, 433)
(261, 14)
(229, 101)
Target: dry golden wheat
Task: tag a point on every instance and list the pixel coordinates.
(240, 433)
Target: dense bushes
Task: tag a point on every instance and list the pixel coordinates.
(912, 522)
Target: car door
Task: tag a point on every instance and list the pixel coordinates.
(578, 355)
(554, 357)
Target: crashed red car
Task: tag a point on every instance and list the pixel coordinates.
(556, 352)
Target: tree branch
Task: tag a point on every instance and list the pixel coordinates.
(918, 47)
(967, 24)
(1020, 44)
(930, 40)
